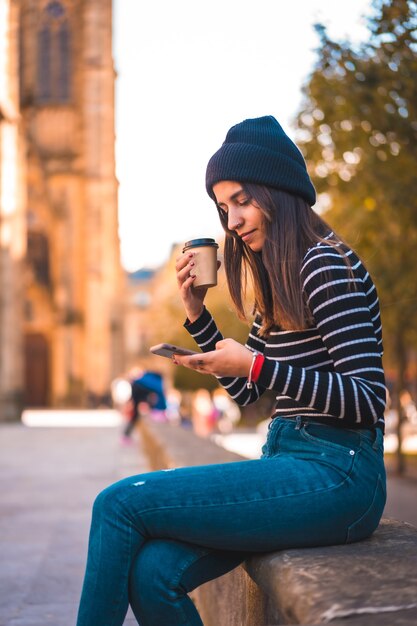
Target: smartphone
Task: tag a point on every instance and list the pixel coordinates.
(167, 350)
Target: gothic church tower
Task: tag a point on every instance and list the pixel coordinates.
(73, 280)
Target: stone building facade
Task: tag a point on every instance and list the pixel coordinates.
(12, 215)
(71, 343)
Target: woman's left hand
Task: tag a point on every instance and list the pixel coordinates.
(229, 358)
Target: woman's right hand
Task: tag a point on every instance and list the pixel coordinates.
(192, 297)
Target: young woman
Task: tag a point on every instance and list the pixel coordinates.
(316, 341)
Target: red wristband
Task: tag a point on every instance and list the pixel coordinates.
(257, 367)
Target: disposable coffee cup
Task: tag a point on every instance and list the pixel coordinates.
(205, 261)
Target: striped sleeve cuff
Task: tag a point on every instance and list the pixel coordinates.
(204, 331)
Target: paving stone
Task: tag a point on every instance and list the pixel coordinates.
(49, 478)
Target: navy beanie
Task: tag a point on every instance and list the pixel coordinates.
(258, 151)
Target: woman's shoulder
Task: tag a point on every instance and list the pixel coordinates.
(330, 251)
(332, 260)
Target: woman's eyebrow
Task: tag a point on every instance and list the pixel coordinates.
(237, 193)
(232, 197)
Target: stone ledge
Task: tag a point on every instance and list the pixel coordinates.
(358, 583)
(172, 446)
(369, 583)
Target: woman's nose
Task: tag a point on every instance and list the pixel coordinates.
(233, 220)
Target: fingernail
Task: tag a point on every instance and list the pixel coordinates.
(192, 263)
(192, 275)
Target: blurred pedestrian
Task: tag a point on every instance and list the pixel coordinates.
(147, 396)
(228, 411)
(204, 413)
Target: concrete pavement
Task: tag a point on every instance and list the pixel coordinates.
(48, 480)
(402, 498)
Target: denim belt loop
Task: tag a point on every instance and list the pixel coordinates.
(299, 423)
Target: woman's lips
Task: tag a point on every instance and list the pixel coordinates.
(247, 235)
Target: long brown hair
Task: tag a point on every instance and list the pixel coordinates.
(291, 227)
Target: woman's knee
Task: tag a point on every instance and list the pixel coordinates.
(110, 498)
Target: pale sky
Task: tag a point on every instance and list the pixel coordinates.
(188, 71)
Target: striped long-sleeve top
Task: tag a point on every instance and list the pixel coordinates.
(332, 371)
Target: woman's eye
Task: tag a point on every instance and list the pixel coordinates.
(244, 202)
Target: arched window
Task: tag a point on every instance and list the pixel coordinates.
(64, 76)
(54, 55)
(44, 64)
(38, 257)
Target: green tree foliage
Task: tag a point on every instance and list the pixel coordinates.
(358, 131)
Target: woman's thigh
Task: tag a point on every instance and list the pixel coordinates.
(303, 496)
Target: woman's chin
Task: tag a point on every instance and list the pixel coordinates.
(255, 247)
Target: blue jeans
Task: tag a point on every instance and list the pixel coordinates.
(157, 536)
